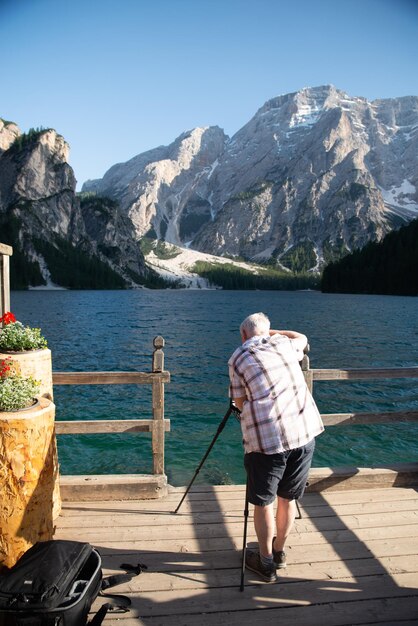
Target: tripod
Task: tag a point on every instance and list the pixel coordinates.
(232, 409)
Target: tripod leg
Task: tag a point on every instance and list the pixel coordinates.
(299, 511)
(218, 432)
(244, 542)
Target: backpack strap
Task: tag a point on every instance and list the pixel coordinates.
(136, 569)
(111, 581)
(117, 579)
(100, 615)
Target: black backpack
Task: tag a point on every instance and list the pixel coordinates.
(55, 583)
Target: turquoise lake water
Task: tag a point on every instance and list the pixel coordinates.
(113, 330)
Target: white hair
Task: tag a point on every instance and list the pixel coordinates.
(255, 324)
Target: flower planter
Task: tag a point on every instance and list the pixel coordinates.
(35, 363)
(29, 489)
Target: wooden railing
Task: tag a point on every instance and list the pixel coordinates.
(367, 373)
(157, 426)
(158, 377)
(5, 254)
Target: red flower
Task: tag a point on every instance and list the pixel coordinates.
(7, 318)
(5, 367)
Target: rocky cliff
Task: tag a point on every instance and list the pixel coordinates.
(57, 239)
(163, 190)
(313, 174)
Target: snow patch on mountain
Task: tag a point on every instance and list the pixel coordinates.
(398, 196)
(35, 257)
(179, 268)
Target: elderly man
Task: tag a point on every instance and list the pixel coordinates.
(279, 422)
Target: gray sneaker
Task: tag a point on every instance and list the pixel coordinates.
(279, 558)
(253, 563)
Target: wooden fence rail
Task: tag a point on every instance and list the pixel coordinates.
(109, 378)
(5, 254)
(157, 426)
(367, 373)
(157, 379)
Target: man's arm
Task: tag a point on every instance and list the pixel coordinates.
(236, 388)
(300, 340)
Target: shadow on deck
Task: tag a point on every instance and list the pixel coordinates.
(352, 558)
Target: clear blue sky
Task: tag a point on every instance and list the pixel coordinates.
(118, 77)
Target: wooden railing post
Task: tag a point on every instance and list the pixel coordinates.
(5, 254)
(307, 372)
(158, 407)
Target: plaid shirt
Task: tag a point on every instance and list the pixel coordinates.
(279, 412)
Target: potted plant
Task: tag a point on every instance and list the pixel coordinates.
(16, 393)
(29, 349)
(28, 462)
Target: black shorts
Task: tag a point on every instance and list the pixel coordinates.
(283, 474)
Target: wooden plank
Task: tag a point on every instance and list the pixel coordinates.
(336, 498)
(4, 284)
(5, 249)
(256, 596)
(235, 499)
(205, 492)
(333, 419)
(307, 372)
(365, 373)
(396, 611)
(304, 592)
(340, 478)
(383, 541)
(219, 500)
(163, 556)
(158, 426)
(165, 507)
(233, 526)
(124, 518)
(109, 378)
(107, 426)
(113, 487)
(227, 577)
(352, 555)
(303, 546)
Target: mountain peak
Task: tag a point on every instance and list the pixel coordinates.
(9, 131)
(316, 169)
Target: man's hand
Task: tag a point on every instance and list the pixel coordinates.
(300, 339)
(239, 402)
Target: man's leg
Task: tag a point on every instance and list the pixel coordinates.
(261, 490)
(292, 485)
(262, 561)
(264, 528)
(285, 516)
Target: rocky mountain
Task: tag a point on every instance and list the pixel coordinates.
(56, 238)
(163, 190)
(313, 174)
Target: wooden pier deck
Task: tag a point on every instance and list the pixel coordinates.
(353, 558)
